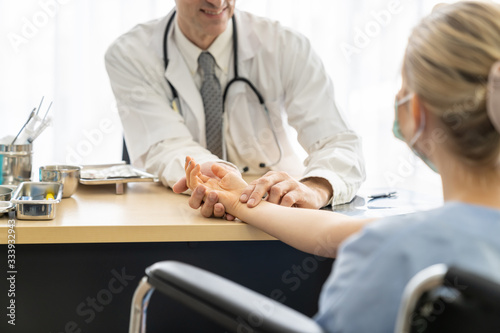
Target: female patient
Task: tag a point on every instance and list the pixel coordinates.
(448, 111)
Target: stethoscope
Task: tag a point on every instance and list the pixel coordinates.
(177, 106)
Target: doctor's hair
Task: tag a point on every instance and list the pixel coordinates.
(447, 63)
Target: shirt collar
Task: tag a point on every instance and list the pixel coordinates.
(220, 49)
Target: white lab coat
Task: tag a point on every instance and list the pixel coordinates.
(286, 71)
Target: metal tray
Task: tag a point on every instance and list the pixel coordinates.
(33, 208)
(137, 176)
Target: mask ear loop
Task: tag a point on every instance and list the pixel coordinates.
(493, 107)
(420, 129)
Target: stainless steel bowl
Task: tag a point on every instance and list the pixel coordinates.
(67, 175)
(15, 163)
(5, 193)
(5, 207)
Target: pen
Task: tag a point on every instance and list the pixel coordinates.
(382, 195)
(175, 105)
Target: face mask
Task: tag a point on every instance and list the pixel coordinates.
(396, 130)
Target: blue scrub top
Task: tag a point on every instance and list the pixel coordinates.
(364, 291)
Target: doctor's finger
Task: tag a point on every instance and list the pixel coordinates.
(196, 199)
(245, 195)
(208, 208)
(219, 210)
(291, 199)
(279, 190)
(262, 186)
(180, 186)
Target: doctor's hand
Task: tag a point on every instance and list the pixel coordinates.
(209, 207)
(226, 187)
(284, 190)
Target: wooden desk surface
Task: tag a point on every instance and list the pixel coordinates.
(146, 212)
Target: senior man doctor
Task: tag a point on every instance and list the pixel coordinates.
(172, 79)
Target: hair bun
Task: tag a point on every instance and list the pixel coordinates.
(494, 95)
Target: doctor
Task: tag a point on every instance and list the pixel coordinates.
(281, 92)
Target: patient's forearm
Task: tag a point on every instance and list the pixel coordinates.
(318, 232)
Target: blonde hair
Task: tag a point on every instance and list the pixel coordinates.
(447, 62)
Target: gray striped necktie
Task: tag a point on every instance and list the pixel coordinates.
(211, 94)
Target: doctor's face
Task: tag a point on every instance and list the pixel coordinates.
(201, 21)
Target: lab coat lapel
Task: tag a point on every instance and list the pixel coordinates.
(248, 44)
(179, 76)
(248, 40)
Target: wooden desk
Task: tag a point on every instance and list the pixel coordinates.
(64, 266)
(146, 212)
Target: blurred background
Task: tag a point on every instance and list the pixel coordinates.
(55, 48)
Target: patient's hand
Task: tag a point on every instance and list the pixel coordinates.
(228, 185)
(210, 206)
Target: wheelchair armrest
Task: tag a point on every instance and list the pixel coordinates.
(474, 285)
(231, 305)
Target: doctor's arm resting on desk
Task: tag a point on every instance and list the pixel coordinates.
(334, 166)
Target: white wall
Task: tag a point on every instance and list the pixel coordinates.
(56, 49)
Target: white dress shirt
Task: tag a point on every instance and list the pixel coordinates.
(221, 49)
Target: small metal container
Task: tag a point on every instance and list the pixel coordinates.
(15, 164)
(68, 175)
(31, 200)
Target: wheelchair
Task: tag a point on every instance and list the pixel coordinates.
(437, 299)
